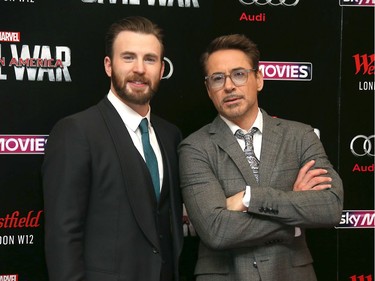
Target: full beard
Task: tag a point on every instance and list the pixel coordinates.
(140, 97)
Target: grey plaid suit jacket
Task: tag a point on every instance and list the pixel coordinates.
(259, 244)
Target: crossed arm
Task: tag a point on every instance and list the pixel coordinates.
(307, 179)
(214, 200)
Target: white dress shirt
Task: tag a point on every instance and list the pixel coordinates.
(257, 138)
(132, 120)
(257, 144)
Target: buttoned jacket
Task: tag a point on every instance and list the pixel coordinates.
(259, 244)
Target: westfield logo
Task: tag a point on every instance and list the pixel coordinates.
(364, 64)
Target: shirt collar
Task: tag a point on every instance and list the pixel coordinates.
(128, 115)
(257, 123)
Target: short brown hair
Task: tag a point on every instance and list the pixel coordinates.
(233, 42)
(136, 24)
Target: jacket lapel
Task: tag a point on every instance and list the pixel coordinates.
(271, 141)
(168, 145)
(162, 139)
(133, 171)
(223, 137)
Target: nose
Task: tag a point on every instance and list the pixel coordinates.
(228, 84)
(139, 66)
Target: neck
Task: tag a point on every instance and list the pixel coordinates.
(245, 123)
(141, 109)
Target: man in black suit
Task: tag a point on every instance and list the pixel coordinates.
(107, 216)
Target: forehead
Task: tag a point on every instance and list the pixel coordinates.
(226, 60)
(128, 41)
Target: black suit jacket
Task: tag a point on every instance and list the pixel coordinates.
(100, 208)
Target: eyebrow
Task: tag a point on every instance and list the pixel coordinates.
(236, 68)
(135, 54)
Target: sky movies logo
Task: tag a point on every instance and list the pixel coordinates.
(289, 71)
(22, 144)
(357, 3)
(357, 219)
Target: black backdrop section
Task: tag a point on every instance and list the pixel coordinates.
(356, 248)
(321, 33)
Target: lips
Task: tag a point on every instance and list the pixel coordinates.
(231, 98)
(138, 83)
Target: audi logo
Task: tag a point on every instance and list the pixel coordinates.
(362, 145)
(270, 2)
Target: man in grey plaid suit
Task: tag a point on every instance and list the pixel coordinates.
(253, 229)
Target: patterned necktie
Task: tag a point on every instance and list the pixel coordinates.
(151, 161)
(249, 150)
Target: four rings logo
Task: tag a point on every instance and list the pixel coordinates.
(362, 145)
(270, 2)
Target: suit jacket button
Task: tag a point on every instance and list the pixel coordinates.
(155, 251)
(255, 264)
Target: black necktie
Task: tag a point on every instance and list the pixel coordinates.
(151, 161)
(249, 150)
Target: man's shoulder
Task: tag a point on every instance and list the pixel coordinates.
(286, 124)
(88, 117)
(199, 136)
(292, 124)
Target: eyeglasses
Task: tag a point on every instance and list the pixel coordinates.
(238, 76)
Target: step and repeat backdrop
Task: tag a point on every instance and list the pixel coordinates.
(317, 58)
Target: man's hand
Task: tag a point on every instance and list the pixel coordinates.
(311, 179)
(234, 203)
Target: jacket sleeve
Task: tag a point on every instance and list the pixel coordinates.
(66, 179)
(306, 209)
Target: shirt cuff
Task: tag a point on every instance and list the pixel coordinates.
(297, 232)
(247, 196)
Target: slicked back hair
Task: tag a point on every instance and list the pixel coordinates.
(232, 42)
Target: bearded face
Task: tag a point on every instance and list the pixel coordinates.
(134, 89)
(135, 69)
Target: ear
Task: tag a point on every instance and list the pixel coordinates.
(108, 66)
(260, 81)
(162, 69)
